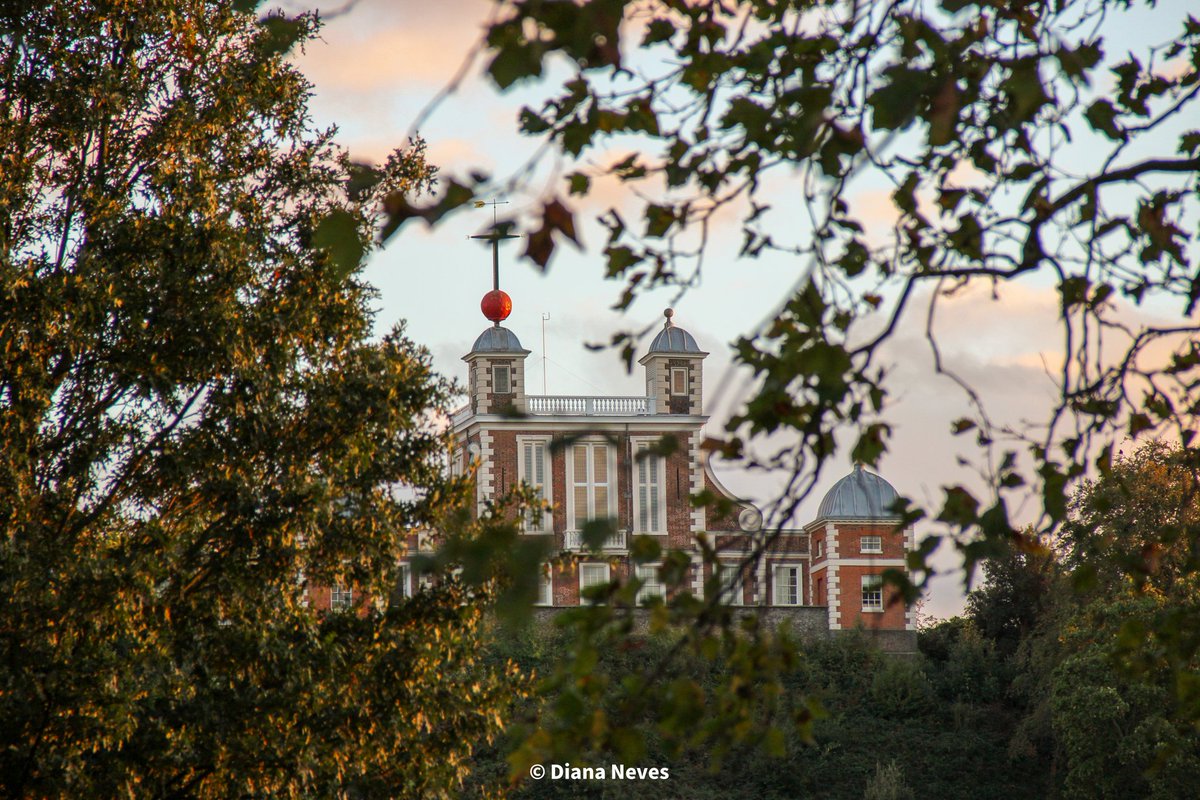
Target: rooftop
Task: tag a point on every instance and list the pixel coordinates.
(859, 495)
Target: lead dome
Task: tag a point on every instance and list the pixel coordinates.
(673, 339)
(497, 339)
(859, 495)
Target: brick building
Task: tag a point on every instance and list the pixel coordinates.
(582, 455)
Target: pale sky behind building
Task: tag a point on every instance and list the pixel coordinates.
(378, 65)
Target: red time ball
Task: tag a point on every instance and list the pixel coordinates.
(496, 305)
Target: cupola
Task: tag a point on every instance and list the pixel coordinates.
(861, 495)
(674, 370)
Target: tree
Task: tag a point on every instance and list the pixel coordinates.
(1007, 159)
(1120, 733)
(1140, 523)
(1013, 599)
(1133, 538)
(194, 422)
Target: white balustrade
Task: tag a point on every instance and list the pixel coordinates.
(588, 405)
(573, 540)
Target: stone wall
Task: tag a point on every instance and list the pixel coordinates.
(801, 621)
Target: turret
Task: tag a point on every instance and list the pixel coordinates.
(675, 370)
(855, 538)
(496, 363)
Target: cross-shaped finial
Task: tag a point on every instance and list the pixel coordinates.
(497, 233)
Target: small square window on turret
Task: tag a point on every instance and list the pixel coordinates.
(678, 380)
(501, 380)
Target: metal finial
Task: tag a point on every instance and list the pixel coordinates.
(670, 312)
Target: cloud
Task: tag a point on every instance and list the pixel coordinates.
(382, 45)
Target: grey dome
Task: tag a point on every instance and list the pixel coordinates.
(859, 495)
(498, 340)
(673, 339)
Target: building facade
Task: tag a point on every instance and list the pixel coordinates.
(637, 462)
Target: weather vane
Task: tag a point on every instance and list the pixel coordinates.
(496, 305)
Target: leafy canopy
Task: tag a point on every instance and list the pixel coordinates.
(195, 422)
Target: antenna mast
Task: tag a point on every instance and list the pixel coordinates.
(545, 317)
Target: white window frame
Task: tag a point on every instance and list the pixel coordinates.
(341, 597)
(682, 373)
(406, 586)
(506, 371)
(737, 585)
(545, 595)
(575, 519)
(652, 585)
(584, 567)
(872, 594)
(819, 547)
(877, 540)
(778, 584)
(646, 467)
(545, 489)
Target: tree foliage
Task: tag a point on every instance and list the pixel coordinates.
(194, 423)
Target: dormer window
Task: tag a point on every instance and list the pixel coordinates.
(501, 380)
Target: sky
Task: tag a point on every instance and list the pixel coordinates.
(379, 65)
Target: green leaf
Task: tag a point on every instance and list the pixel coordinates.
(337, 235)
(659, 30)
(595, 531)
(645, 549)
(659, 220)
(961, 426)
(960, 507)
(578, 183)
(1101, 115)
(280, 34)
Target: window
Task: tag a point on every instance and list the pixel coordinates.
(871, 544)
(787, 585)
(872, 592)
(820, 547)
(651, 585)
(731, 578)
(404, 581)
(341, 597)
(591, 495)
(545, 596)
(456, 463)
(591, 575)
(650, 515)
(501, 380)
(678, 380)
(533, 461)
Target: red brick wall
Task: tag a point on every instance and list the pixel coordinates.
(721, 522)
(676, 482)
(850, 577)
